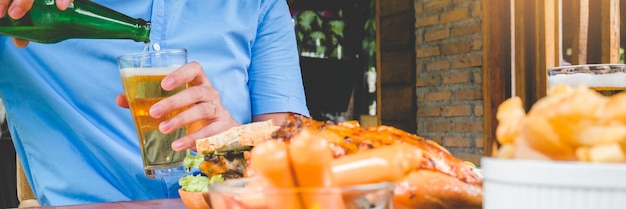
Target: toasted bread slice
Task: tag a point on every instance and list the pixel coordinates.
(237, 137)
(253, 138)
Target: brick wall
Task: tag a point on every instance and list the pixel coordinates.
(449, 74)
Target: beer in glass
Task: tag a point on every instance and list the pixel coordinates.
(142, 74)
(607, 79)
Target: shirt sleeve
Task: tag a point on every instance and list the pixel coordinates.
(275, 80)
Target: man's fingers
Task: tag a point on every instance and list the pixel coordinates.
(18, 8)
(63, 4)
(4, 4)
(191, 73)
(21, 43)
(121, 100)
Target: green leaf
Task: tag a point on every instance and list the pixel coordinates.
(197, 183)
(318, 35)
(192, 161)
(308, 19)
(337, 27)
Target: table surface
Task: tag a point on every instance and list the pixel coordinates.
(171, 203)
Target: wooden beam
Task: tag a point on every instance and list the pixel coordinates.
(622, 33)
(610, 17)
(522, 47)
(548, 46)
(378, 62)
(537, 46)
(580, 24)
(594, 40)
(496, 38)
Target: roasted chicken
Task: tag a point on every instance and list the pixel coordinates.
(440, 181)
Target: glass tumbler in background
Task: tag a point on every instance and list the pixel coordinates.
(142, 74)
(607, 79)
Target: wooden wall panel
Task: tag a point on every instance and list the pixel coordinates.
(396, 64)
(390, 7)
(398, 102)
(396, 30)
(610, 30)
(496, 66)
(398, 68)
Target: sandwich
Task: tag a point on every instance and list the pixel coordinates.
(225, 155)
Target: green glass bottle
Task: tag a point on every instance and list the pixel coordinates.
(45, 23)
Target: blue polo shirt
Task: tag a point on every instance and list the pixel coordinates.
(78, 146)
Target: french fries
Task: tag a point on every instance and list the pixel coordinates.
(568, 124)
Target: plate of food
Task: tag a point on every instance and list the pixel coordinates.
(423, 173)
(566, 152)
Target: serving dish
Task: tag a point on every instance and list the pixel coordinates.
(545, 184)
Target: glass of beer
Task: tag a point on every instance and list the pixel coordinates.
(142, 74)
(608, 79)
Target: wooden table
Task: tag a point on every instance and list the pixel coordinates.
(171, 203)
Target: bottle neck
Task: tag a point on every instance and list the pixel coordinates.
(142, 31)
(44, 23)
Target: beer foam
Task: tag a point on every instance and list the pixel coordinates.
(617, 79)
(128, 72)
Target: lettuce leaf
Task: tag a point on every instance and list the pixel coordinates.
(192, 161)
(198, 183)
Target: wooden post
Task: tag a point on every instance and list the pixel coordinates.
(496, 66)
(610, 17)
(536, 46)
(580, 24)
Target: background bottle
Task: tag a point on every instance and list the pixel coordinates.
(45, 23)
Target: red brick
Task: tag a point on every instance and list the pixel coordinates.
(438, 65)
(426, 21)
(455, 15)
(457, 110)
(440, 126)
(421, 127)
(437, 34)
(468, 127)
(466, 29)
(456, 48)
(419, 67)
(456, 142)
(421, 98)
(477, 44)
(479, 110)
(428, 112)
(465, 62)
(438, 96)
(428, 52)
(432, 80)
(434, 5)
(454, 78)
(479, 141)
(478, 77)
(468, 94)
(477, 10)
(419, 8)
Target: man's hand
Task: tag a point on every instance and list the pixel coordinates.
(16, 9)
(204, 113)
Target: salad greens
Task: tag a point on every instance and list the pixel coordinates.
(199, 182)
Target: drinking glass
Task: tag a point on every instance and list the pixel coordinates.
(607, 79)
(237, 193)
(142, 74)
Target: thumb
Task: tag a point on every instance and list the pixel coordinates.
(63, 4)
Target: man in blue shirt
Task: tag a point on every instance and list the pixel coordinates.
(78, 146)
